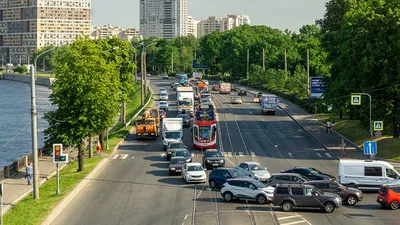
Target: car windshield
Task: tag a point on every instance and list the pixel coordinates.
(178, 161)
(315, 171)
(340, 185)
(162, 89)
(304, 178)
(213, 154)
(237, 173)
(163, 94)
(172, 135)
(176, 145)
(195, 168)
(182, 153)
(258, 184)
(316, 190)
(162, 103)
(236, 97)
(183, 116)
(257, 167)
(184, 102)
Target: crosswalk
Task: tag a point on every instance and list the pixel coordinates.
(121, 157)
(290, 155)
(291, 219)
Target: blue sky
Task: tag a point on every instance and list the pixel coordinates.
(281, 14)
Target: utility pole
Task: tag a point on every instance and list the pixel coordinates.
(308, 72)
(285, 63)
(136, 78)
(34, 137)
(248, 59)
(263, 57)
(44, 64)
(143, 65)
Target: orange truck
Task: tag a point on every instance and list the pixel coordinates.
(149, 125)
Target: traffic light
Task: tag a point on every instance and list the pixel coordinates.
(58, 157)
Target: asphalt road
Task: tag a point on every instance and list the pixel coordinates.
(134, 186)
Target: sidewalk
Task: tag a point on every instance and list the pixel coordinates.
(16, 187)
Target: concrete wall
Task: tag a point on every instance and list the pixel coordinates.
(44, 81)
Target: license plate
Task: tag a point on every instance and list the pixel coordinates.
(215, 164)
(146, 133)
(379, 199)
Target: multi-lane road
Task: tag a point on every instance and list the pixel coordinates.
(134, 187)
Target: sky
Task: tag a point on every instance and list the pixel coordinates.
(281, 14)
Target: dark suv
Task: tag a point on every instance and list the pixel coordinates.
(286, 178)
(218, 176)
(310, 173)
(350, 196)
(213, 158)
(289, 196)
(242, 91)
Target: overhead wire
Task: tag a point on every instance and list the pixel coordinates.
(12, 139)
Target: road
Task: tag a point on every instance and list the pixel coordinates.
(134, 186)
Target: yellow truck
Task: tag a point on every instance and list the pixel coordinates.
(149, 125)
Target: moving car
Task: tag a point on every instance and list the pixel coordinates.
(184, 153)
(218, 176)
(163, 114)
(215, 87)
(310, 173)
(213, 158)
(261, 173)
(350, 196)
(185, 119)
(148, 75)
(236, 100)
(286, 178)
(247, 188)
(176, 164)
(163, 105)
(257, 97)
(242, 91)
(389, 196)
(193, 172)
(161, 90)
(172, 146)
(289, 196)
(164, 96)
(165, 76)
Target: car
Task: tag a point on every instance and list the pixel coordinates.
(350, 196)
(286, 178)
(172, 146)
(236, 100)
(389, 196)
(163, 105)
(164, 96)
(162, 114)
(213, 158)
(242, 91)
(148, 75)
(206, 82)
(218, 176)
(193, 172)
(184, 153)
(310, 173)
(185, 119)
(205, 101)
(257, 97)
(176, 85)
(162, 90)
(220, 82)
(261, 173)
(289, 196)
(176, 164)
(165, 76)
(215, 87)
(247, 188)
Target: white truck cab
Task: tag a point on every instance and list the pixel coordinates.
(172, 130)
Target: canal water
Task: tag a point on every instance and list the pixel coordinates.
(15, 119)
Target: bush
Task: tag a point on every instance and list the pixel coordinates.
(21, 69)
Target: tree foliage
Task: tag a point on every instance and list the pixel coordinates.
(21, 69)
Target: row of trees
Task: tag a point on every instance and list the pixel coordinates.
(93, 78)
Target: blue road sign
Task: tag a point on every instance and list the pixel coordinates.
(198, 66)
(378, 134)
(378, 125)
(370, 148)
(317, 87)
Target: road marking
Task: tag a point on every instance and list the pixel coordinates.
(115, 156)
(319, 155)
(240, 154)
(287, 217)
(329, 155)
(133, 157)
(253, 154)
(229, 154)
(290, 154)
(225, 154)
(295, 222)
(125, 156)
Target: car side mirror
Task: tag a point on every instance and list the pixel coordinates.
(247, 169)
(254, 188)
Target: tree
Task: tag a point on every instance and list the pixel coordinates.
(21, 69)
(87, 93)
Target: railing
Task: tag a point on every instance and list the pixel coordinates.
(15, 167)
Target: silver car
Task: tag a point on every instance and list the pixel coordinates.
(261, 173)
(236, 100)
(163, 96)
(176, 164)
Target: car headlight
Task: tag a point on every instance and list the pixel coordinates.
(338, 199)
(257, 175)
(172, 168)
(208, 160)
(221, 161)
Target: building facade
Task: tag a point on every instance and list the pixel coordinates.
(192, 26)
(27, 25)
(108, 31)
(215, 24)
(163, 18)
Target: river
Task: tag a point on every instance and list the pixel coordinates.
(15, 117)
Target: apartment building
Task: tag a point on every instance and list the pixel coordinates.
(108, 31)
(192, 26)
(163, 18)
(216, 24)
(27, 25)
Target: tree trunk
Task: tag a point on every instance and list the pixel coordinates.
(80, 157)
(123, 114)
(395, 117)
(341, 113)
(101, 138)
(90, 147)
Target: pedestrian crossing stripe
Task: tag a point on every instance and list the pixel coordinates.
(378, 125)
(355, 99)
(120, 156)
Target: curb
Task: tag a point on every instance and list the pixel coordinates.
(56, 211)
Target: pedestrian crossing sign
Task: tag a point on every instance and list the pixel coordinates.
(355, 99)
(378, 125)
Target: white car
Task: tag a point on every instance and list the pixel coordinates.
(261, 173)
(163, 105)
(247, 188)
(162, 90)
(194, 172)
(164, 96)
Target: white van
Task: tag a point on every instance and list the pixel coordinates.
(366, 174)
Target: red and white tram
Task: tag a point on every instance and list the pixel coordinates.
(205, 128)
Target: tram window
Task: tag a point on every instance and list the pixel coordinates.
(195, 132)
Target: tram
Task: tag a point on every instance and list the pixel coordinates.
(205, 128)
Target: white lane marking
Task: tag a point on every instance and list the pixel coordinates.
(230, 161)
(183, 223)
(290, 154)
(329, 155)
(125, 156)
(319, 155)
(133, 157)
(287, 217)
(240, 154)
(295, 222)
(253, 154)
(115, 156)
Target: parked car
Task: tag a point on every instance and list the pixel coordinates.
(289, 196)
(163, 105)
(213, 158)
(193, 172)
(162, 114)
(242, 91)
(261, 173)
(165, 76)
(218, 176)
(184, 153)
(236, 100)
(350, 196)
(389, 196)
(247, 188)
(286, 178)
(185, 119)
(310, 173)
(176, 164)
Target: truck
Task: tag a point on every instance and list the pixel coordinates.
(172, 130)
(269, 104)
(197, 75)
(149, 125)
(185, 98)
(182, 79)
(225, 88)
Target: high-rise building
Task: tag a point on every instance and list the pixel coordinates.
(27, 25)
(192, 26)
(163, 18)
(108, 31)
(215, 24)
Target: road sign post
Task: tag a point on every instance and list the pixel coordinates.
(370, 148)
(58, 157)
(356, 100)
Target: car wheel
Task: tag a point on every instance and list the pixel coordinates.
(351, 200)
(228, 197)
(287, 206)
(394, 205)
(329, 207)
(212, 184)
(261, 199)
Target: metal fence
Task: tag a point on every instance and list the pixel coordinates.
(15, 167)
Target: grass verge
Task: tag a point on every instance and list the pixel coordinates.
(388, 147)
(29, 211)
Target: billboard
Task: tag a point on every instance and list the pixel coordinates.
(317, 87)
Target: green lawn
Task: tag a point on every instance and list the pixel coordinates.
(30, 211)
(388, 147)
(44, 74)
